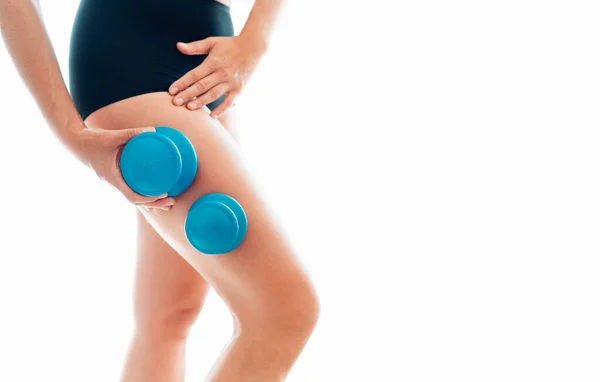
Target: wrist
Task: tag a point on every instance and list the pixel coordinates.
(257, 43)
(74, 139)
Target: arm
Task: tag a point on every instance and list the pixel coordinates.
(28, 43)
(261, 22)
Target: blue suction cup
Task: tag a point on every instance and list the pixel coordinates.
(189, 159)
(216, 224)
(151, 164)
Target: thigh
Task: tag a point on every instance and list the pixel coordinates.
(264, 270)
(165, 284)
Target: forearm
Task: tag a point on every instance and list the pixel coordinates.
(29, 45)
(261, 22)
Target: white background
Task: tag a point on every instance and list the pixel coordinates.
(435, 162)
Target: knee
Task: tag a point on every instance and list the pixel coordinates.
(301, 316)
(292, 316)
(308, 311)
(171, 320)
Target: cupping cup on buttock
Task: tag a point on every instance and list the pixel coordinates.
(216, 224)
(155, 163)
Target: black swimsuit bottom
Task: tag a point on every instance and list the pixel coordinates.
(124, 48)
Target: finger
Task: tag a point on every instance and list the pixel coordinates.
(123, 136)
(133, 196)
(197, 47)
(209, 96)
(207, 67)
(161, 203)
(226, 104)
(138, 199)
(154, 209)
(200, 87)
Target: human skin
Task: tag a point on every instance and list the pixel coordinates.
(230, 62)
(168, 297)
(271, 298)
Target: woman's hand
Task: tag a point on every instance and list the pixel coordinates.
(101, 149)
(227, 69)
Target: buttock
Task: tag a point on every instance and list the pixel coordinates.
(124, 48)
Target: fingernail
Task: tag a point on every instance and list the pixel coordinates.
(192, 106)
(174, 90)
(217, 116)
(179, 101)
(146, 208)
(165, 208)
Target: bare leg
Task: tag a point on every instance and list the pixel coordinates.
(169, 294)
(262, 282)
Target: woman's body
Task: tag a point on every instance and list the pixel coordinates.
(272, 300)
(126, 48)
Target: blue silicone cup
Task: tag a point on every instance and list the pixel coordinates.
(216, 224)
(151, 164)
(189, 159)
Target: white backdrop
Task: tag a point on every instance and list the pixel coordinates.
(436, 163)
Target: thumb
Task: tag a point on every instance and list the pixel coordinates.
(197, 47)
(123, 136)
